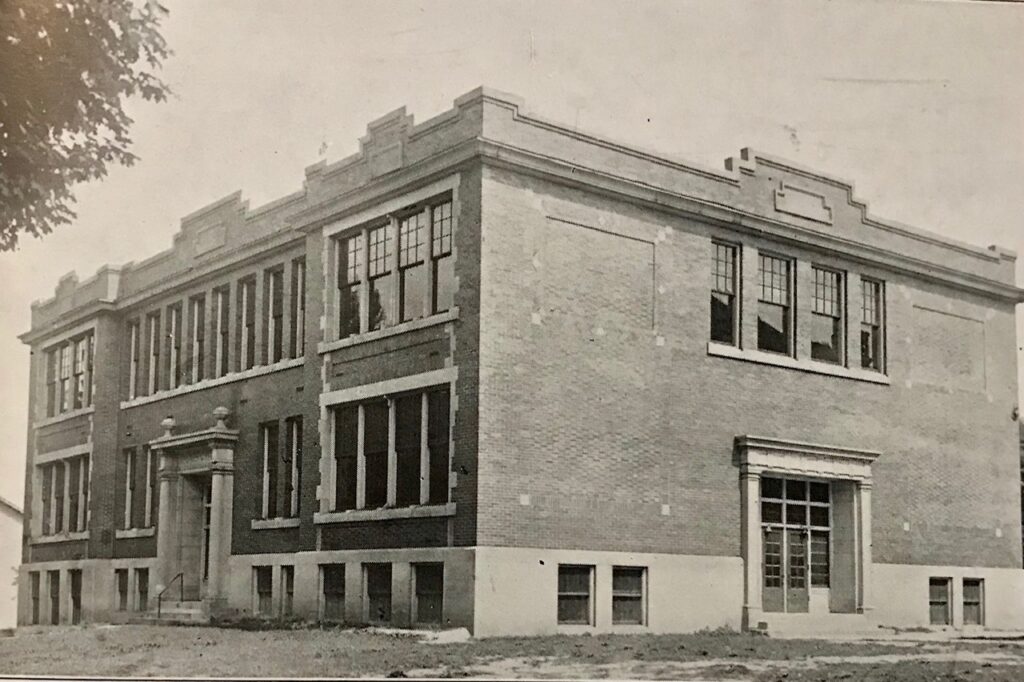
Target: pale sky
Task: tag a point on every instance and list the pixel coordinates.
(920, 103)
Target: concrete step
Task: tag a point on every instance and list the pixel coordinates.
(175, 613)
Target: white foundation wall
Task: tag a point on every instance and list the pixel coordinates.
(901, 595)
(517, 591)
(99, 592)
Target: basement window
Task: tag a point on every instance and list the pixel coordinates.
(141, 589)
(263, 579)
(333, 577)
(121, 581)
(377, 581)
(575, 585)
(287, 590)
(428, 593)
(628, 595)
(938, 601)
(974, 601)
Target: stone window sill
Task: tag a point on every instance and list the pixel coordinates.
(59, 537)
(763, 358)
(268, 524)
(219, 381)
(357, 515)
(65, 416)
(422, 323)
(129, 533)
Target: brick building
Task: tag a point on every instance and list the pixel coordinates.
(497, 373)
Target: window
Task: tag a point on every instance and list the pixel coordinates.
(63, 487)
(419, 472)
(412, 268)
(333, 576)
(774, 305)
(121, 581)
(827, 334)
(134, 348)
(174, 346)
(381, 283)
(197, 339)
(974, 601)
(377, 579)
(69, 374)
(938, 601)
(287, 590)
(75, 588)
(293, 462)
(443, 289)
(247, 324)
(428, 592)
(141, 589)
(724, 311)
(152, 468)
(153, 341)
(274, 312)
(222, 329)
(574, 587)
(350, 273)
(270, 443)
(263, 577)
(872, 330)
(298, 304)
(33, 578)
(628, 595)
(53, 577)
(129, 487)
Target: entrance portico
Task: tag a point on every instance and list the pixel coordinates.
(196, 488)
(806, 529)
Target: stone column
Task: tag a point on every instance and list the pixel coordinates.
(166, 531)
(750, 492)
(864, 601)
(221, 493)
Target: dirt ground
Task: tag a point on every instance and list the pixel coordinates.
(143, 651)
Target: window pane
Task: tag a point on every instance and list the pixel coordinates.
(796, 514)
(819, 516)
(442, 228)
(574, 609)
(628, 581)
(381, 292)
(820, 559)
(376, 451)
(938, 589)
(627, 610)
(771, 512)
(771, 487)
(444, 284)
(722, 318)
(413, 291)
(574, 579)
(796, 490)
(819, 492)
(826, 338)
(772, 328)
(972, 590)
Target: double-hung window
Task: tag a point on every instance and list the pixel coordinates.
(350, 275)
(197, 339)
(381, 282)
(575, 585)
(282, 468)
(724, 308)
(775, 305)
(412, 268)
(65, 377)
(247, 324)
(69, 374)
(173, 346)
(827, 332)
(392, 451)
(872, 330)
(153, 374)
(442, 293)
(221, 331)
(274, 310)
(134, 351)
(298, 307)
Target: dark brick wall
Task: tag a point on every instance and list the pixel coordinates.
(602, 417)
(386, 534)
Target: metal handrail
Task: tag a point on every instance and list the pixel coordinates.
(181, 594)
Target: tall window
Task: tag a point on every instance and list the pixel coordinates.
(298, 307)
(574, 588)
(938, 601)
(129, 487)
(69, 374)
(774, 306)
(293, 460)
(134, 350)
(350, 268)
(173, 346)
(282, 468)
(377, 579)
(197, 339)
(872, 320)
(274, 308)
(287, 590)
(724, 311)
(63, 487)
(381, 282)
(443, 291)
(121, 578)
(974, 602)
(221, 331)
(428, 604)
(263, 577)
(412, 269)
(419, 472)
(269, 436)
(827, 333)
(153, 377)
(246, 324)
(141, 589)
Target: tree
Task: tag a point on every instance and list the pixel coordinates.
(66, 69)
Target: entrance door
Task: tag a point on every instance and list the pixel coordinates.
(792, 512)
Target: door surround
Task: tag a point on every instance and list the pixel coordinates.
(756, 456)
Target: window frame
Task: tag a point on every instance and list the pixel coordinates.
(631, 596)
(197, 338)
(297, 302)
(273, 315)
(789, 307)
(947, 584)
(368, 595)
(820, 310)
(589, 594)
(417, 594)
(876, 326)
(980, 603)
(258, 572)
(731, 278)
(338, 596)
(68, 374)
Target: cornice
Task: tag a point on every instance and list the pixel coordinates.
(747, 443)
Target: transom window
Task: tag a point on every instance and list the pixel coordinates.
(827, 319)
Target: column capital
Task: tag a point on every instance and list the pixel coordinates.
(865, 484)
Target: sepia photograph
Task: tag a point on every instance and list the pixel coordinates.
(512, 339)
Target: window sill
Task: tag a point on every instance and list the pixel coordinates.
(64, 416)
(129, 533)
(59, 537)
(422, 323)
(269, 524)
(257, 371)
(813, 366)
(357, 515)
